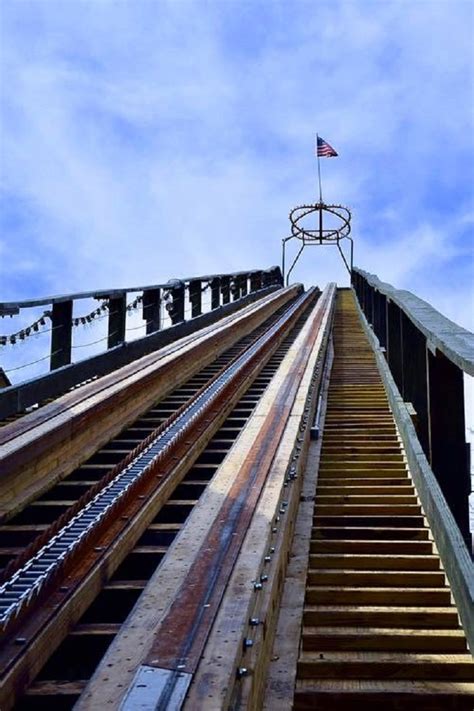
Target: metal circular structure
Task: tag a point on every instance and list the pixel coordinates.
(332, 224)
(320, 234)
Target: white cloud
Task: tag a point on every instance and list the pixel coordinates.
(146, 140)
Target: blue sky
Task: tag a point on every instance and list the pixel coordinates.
(147, 140)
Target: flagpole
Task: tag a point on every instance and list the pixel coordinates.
(319, 171)
(320, 194)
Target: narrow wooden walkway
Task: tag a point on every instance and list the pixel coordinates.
(380, 630)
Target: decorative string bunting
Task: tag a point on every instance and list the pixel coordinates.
(24, 333)
(87, 318)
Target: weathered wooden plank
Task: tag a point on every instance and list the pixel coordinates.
(385, 665)
(372, 616)
(329, 695)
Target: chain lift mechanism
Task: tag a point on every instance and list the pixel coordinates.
(333, 226)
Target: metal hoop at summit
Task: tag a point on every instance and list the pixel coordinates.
(332, 226)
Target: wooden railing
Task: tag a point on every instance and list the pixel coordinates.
(427, 355)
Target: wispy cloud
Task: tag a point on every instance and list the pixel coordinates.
(145, 140)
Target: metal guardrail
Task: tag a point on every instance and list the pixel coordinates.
(427, 355)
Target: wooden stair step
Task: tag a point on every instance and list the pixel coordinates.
(370, 533)
(379, 616)
(373, 561)
(374, 546)
(371, 521)
(361, 456)
(385, 665)
(374, 499)
(383, 638)
(361, 490)
(351, 464)
(354, 438)
(330, 473)
(405, 596)
(368, 578)
(366, 509)
(374, 401)
(383, 521)
(366, 482)
(363, 448)
(347, 695)
(350, 429)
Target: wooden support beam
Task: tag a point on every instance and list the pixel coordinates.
(449, 451)
(61, 335)
(177, 306)
(394, 343)
(255, 281)
(215, 293)
(195, 297)
(151, 311)
(117, 315)
(225, 289)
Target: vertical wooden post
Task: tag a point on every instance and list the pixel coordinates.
(215, 292)
(225, 289)
(255, 281)
(415, 379)
(370, 304)
(151, 311)
(61, 335)
(394, 343)
(449, 453)
(195, 297)
(235, 288)
(380, 324)
(177, 312)
(117, 314)
(383, 320)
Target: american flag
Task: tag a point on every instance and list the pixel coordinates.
(323, 149)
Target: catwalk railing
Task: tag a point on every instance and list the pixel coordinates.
(427, 355)
(182, 305)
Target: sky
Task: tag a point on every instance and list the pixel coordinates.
(141, 141)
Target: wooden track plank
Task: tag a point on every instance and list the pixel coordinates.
(327, 594)
(385, 665)
(383, 638)
(372, 616)
(374, 561)
(328, 695)
(380, 630)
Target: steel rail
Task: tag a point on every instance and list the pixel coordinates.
(18, 594)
